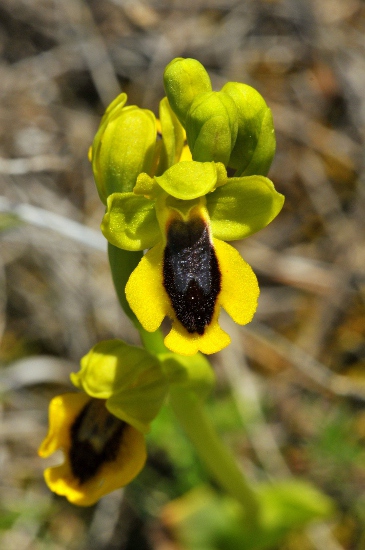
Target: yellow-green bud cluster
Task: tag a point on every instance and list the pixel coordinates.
(233, 126)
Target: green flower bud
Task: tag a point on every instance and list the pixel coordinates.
(255, 144)
(123, 147)
(184, 79)
(211, 127)
(129, 378)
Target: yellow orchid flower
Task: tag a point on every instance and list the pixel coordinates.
(188, 276)
(183, 217)
(101, 452)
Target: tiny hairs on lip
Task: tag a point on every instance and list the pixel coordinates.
(191, 275)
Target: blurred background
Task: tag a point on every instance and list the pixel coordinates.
(290, 397)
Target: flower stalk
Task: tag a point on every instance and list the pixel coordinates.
(219, 461)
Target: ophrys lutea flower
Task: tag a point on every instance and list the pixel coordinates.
(184, 216)
(101, 452)
(101, 429)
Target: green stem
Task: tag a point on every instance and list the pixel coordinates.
(221, 464)
(153, 341)
(122, 263)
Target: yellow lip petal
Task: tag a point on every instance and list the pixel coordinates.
(112, 475)
(238, 296)
(214, 339)
(149, 300)
(239, 287)
(145, 292)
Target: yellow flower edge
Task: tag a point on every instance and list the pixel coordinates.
(145, 292)
(150, 302)
(214, 339)
(129, 461)
(239, 287)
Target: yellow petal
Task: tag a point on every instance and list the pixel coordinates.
(145, 292)
(239, 287)
(214, 339)
(63, 410)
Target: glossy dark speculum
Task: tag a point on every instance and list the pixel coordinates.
(85, 458)
(191, 273)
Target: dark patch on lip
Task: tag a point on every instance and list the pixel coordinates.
(95, 439)
(191, 273)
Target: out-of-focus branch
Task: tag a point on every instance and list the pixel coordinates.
(48, 220)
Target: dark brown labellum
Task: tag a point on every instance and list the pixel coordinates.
(95, 439)
(191, 273)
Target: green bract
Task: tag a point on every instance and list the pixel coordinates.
(129, 378)
(211, 127)
(123, 147)
(255, 145)
(184, 79)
